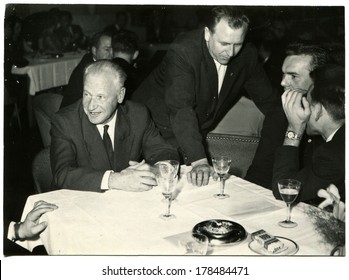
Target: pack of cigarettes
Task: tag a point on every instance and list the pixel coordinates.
(268, 241)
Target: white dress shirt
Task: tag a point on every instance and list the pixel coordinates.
(221, 69)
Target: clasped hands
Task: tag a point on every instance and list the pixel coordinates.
(138, 177)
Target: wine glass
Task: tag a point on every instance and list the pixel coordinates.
(167, 185)
(167, 168)
(289, 190)
(221, 166)
(196, 245)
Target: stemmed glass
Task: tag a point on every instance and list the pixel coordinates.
(166, 178)
(221, 166)
(196, 245)
(289, 190)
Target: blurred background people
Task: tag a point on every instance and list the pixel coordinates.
(101, 48)
(71, 35)
(121, 23)
(126, 52)
(47, 104)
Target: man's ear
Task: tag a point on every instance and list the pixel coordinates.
(135, 55)
(318, 111)
(93, 50)
(121, 95)
(207, 34)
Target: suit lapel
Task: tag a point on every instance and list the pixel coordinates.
(94, 143)
(209, 72)
(122, 140)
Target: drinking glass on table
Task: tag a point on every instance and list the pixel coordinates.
(221, 166)
(289, 190)
(196, 245)
(166, 177)
(167, 186)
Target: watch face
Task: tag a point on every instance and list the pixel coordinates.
(290, 134)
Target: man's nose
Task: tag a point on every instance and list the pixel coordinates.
(283, 81)
(92, 104)
(231, 51)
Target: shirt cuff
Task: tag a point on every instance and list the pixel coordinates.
(199, 162)
(11, 231)
(105, 180)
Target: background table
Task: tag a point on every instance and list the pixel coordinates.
(45, 72)
(128, 223)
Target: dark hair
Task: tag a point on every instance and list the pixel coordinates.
(234, 15)
(320, 55)
(97, 37)
(329, 89)
(66, 14)
(12, 20)
(105, 65)
(125, 41)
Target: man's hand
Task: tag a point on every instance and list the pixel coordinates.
(297, 110)
(138, 177)
(332, 197)
(200, 174)
(31, 227)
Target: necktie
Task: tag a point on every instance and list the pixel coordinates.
(108, 145)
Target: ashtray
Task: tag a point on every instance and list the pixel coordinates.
(221, 232)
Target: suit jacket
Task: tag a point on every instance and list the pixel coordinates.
(78, 156)
(327, 167)
(74, 89)
(181, 92)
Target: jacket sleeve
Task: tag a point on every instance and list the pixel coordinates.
(323, 171)
(180, 99)
(258, 85)
(67, 172)
(155, 148)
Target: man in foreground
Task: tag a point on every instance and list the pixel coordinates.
(99, 144)
(321, 112)
(300, 60)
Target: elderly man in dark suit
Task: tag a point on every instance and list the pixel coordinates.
(321, 112)
(201, 77)
(99, 144)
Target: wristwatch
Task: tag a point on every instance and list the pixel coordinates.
(292, 135)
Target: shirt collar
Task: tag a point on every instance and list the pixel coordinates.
(111, 129)
(329, 138)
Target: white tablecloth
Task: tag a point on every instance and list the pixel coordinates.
(45, 73)
(128, 223)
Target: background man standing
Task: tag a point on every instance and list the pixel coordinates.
(201, 77)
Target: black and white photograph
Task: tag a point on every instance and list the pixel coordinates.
(188, 140)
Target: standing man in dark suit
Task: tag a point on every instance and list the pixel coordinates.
(99, 144)
(320, 112)
(201, 77)
(101, 48)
